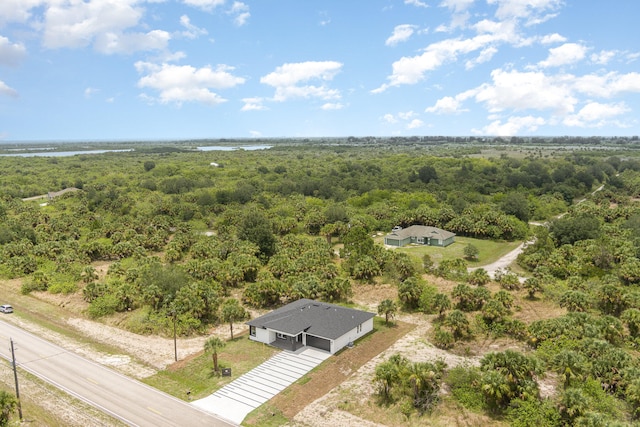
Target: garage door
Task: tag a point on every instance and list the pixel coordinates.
(317, 342)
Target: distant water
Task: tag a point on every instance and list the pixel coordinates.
(246, 147)
(42, 153)
(63, 153)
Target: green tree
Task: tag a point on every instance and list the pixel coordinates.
(457, 322)
(387, 308)
(389, 374)
(573, 403)
(479, 277)
(8, 405)
(575, 301)
(568, 230)
(148, 165)
(516, 204)
(571, 365)
(409, 292)
(427, 174)
(471, 252)
(232, 312)
(256, 228)
(213, 345)
(532, 285)
(631, 317)
(441, 303)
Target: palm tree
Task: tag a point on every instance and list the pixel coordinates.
(388, 308)
(232, 312)
(571, 366)
(441, 303)
(458, 323)
(496, 390)
(212, 345)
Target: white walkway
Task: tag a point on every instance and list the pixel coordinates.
(241, 396)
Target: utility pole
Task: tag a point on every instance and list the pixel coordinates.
(15, 376)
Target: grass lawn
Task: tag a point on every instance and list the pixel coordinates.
(195, 374)
(489, 250)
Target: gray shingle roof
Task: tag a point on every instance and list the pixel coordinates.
(315, 318)
(421, 231)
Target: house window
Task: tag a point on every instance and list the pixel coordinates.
(359, 328)
(281, 336)
(421, 240)
(252, 331)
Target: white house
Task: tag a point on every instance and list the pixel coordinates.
(311, 323)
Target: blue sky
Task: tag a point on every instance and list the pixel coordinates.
(166, 69)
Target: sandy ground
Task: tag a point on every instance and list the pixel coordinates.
(414, 346)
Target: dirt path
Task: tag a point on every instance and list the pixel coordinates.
(503, 262)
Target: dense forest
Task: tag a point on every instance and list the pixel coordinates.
(199, 237)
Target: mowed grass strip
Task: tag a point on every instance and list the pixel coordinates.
(193, 378)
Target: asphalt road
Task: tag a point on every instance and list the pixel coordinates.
(123, 398)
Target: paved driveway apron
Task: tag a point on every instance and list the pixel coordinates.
(241, 396)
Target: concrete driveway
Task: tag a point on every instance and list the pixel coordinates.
(241, 396)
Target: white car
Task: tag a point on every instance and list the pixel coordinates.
(6, 308)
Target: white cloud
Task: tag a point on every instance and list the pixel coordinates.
(484, 56)
(568, 53)
(632, 57)
(11, 53)
(512, 126)
(332, 106)
(191, 31)
(401, 33)
(606, 85)
(417, 3)
(127, 43)
(553, 38)
(389, 118)
(407, 115)
(603, 57)
(17, 10)
(526, 90)
(255, 134)
(241, 14)
(206, 5)
(287, 78)
(7, 91)
(446, 105)
(411, 70)
(532, 10)
(101, 23)
(595, 114)
(184, 83)
(90, 91)
(457, 5)
(409, 118)
(253, 104)
(77, 24)
(415, 124)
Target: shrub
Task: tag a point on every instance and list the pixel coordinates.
(103, 306)
(463, 384)
(533, 413)
(443, 339)
(63, 287)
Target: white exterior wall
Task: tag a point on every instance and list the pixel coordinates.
(263, 335)
(351, 336)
